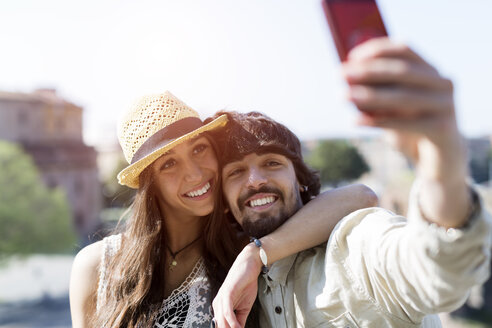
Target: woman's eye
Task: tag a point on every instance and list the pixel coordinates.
(199, 148)
(168, 164)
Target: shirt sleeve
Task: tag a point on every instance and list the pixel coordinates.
(414, 268)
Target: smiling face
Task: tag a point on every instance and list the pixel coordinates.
(186, 177)
(262, 191)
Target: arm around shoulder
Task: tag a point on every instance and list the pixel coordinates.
(83, 284)
(359, 196)
(314, 223)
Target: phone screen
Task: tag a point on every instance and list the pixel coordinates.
(353, 22)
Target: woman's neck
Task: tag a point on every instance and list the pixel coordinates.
(183, 247)
(182, 231)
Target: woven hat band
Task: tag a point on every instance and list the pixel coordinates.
(166, 135)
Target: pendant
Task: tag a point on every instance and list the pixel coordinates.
(172, 265)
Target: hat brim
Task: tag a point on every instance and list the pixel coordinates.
(129, 176)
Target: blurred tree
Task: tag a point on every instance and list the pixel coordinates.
(33, 218)
(116, 195)
(337, 161)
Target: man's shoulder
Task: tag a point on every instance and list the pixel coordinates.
(349, 236)
(373, 220)
(364, 224)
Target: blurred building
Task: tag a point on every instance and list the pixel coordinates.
(391, 174)
(50, 129)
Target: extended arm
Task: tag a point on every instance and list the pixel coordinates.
(309, 227)
(395, 89)
(428, 266)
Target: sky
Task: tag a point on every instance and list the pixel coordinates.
(272, 56)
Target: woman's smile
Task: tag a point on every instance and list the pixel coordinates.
(202, 192)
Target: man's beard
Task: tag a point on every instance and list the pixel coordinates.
(265, 223)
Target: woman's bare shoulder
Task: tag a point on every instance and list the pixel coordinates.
(89, 257)
(84, 282)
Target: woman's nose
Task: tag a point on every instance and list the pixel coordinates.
(193, 172)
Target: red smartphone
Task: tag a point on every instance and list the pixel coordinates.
(353, 22)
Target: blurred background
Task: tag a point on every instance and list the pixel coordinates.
(69, 69)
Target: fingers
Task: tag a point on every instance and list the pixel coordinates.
(389, 82)
(400, 102)
(394, 71)
(395, 89)
(381, 61)
(224, 314)
(230, 316)
(428, 126)
(241, 318)
(384, 47)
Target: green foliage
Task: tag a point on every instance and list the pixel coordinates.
(33, 218)
(337, 161)
(116, 195)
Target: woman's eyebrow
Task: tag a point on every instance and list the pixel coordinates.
(169, 152)
(194, 140)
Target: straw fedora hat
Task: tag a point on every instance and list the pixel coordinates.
(153, 125)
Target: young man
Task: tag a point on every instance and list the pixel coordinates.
(377, 269)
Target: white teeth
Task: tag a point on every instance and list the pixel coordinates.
(261, 201)
(199, 192)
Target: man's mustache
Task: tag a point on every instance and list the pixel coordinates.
(241, 202)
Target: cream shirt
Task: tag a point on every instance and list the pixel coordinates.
(378, 270)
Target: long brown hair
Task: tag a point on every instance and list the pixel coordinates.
(136, 273)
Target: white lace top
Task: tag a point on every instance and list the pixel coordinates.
(189, 305)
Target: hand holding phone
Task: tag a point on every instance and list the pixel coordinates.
(353, 22)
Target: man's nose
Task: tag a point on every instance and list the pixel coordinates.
(193, 172)
(256, 179)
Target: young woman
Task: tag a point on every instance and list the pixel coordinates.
(167, 264)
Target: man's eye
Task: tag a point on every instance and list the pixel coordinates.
(199, 148)
(234, 172)
(168, 164)
(272, 163)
